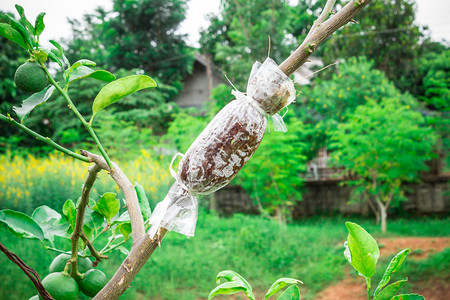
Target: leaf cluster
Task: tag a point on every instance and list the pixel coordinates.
(362, 252)
(101, 215)
(235, 283)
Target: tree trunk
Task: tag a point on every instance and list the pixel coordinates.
(382, 215)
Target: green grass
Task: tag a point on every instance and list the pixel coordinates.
(310, 250)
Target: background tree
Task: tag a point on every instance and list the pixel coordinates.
(239, 35)
(138, 34)
(391, 39)
(386, 144)
(331, 100)
(436, 94)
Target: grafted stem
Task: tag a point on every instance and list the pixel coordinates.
(81, 209)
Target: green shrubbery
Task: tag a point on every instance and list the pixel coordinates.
(258, 249)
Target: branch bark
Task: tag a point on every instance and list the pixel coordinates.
(78, 230)
(137, 222)
(130, 267)
(320, 33)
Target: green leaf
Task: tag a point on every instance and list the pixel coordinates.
(13, 35)
(21, 225)
(123, 250)
(228, 288)
(279, 285)
(33, 101)
(125, 230)
(54, 58)
(124, 218)
(82, 62)
(120, 88)
(41, 55)
(291, 293)
(59, 52)
(24, 21)
(94, 220)
(39, 24)
(393, 267)
(235, 277)
(85, 72)
(363, 249)
(408, 297)
(88, 231)
(388, 292)
(50, 222)
(108, 206)
(70, 212)
(29, 42)
(143, 202)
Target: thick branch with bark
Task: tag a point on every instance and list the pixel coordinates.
(130, 267)
(136, 219)
(319, 33)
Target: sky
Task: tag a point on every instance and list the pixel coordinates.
(433, 13)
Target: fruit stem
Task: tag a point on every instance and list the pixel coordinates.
(72, 106)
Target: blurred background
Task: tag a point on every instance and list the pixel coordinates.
(368, 134)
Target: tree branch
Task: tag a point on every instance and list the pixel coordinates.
(137, 222)
(98, 256)
(130, 267)
(322, 17)
(41, 138)
(86, 124)
(81, 209)
(320, 34)
(32, 274)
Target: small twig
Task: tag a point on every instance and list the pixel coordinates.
(41, 138)
(98, 256)
(86, 124)
(322, 17)
(318, 34)
(136, 219)
(110, 249)
(32, 274)
(78, 230)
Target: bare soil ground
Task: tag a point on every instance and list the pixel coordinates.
(353, 288)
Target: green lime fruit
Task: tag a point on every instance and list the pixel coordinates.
(93, 281)
(59, 263)
(30, 77)
(60, 287)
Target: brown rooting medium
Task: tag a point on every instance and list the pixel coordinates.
(223, 148)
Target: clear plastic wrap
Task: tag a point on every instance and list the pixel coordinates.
(224, 146)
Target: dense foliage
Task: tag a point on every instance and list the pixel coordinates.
(386, 144)
(395, 60)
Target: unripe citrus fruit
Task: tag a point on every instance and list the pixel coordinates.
(59, 263)
(93, 281)
(30, 77)
(60, 287)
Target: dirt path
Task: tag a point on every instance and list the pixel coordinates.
(354, 288)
